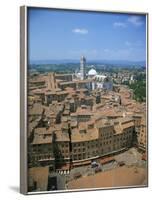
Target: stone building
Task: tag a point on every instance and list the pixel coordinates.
(40, 150)
(142, 137)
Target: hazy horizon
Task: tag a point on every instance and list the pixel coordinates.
(75, 61)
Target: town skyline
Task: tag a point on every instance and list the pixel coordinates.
(87, 113)
(86, 125)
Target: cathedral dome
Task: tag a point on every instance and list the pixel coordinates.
(92, 72)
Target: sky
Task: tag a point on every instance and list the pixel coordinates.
(61, 34)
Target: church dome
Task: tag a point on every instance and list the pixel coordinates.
(92, 72)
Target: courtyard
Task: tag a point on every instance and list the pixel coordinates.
(112, 174)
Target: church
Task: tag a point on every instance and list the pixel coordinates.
(98, 81)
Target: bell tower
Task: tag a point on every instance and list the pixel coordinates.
(82, 67)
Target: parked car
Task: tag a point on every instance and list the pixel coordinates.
(94, 164)
(98, 169)
(121, 163)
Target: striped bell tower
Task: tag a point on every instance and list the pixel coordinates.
(82, 67)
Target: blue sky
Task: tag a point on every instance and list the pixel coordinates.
(55, 34)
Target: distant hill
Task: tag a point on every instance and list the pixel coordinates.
(65, 61)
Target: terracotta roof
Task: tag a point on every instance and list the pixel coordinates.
(44, 131)
(62, 137)
(73, 123)
(82, 126)
(42, 139)
(37, 109)
(92, 134)
(128, 125)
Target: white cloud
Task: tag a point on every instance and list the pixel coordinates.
(82, 31)
(119, 24)
(134, 44)
(135, 20)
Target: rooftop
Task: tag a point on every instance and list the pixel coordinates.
(42, 139)
(37, 109)
(92, 134)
